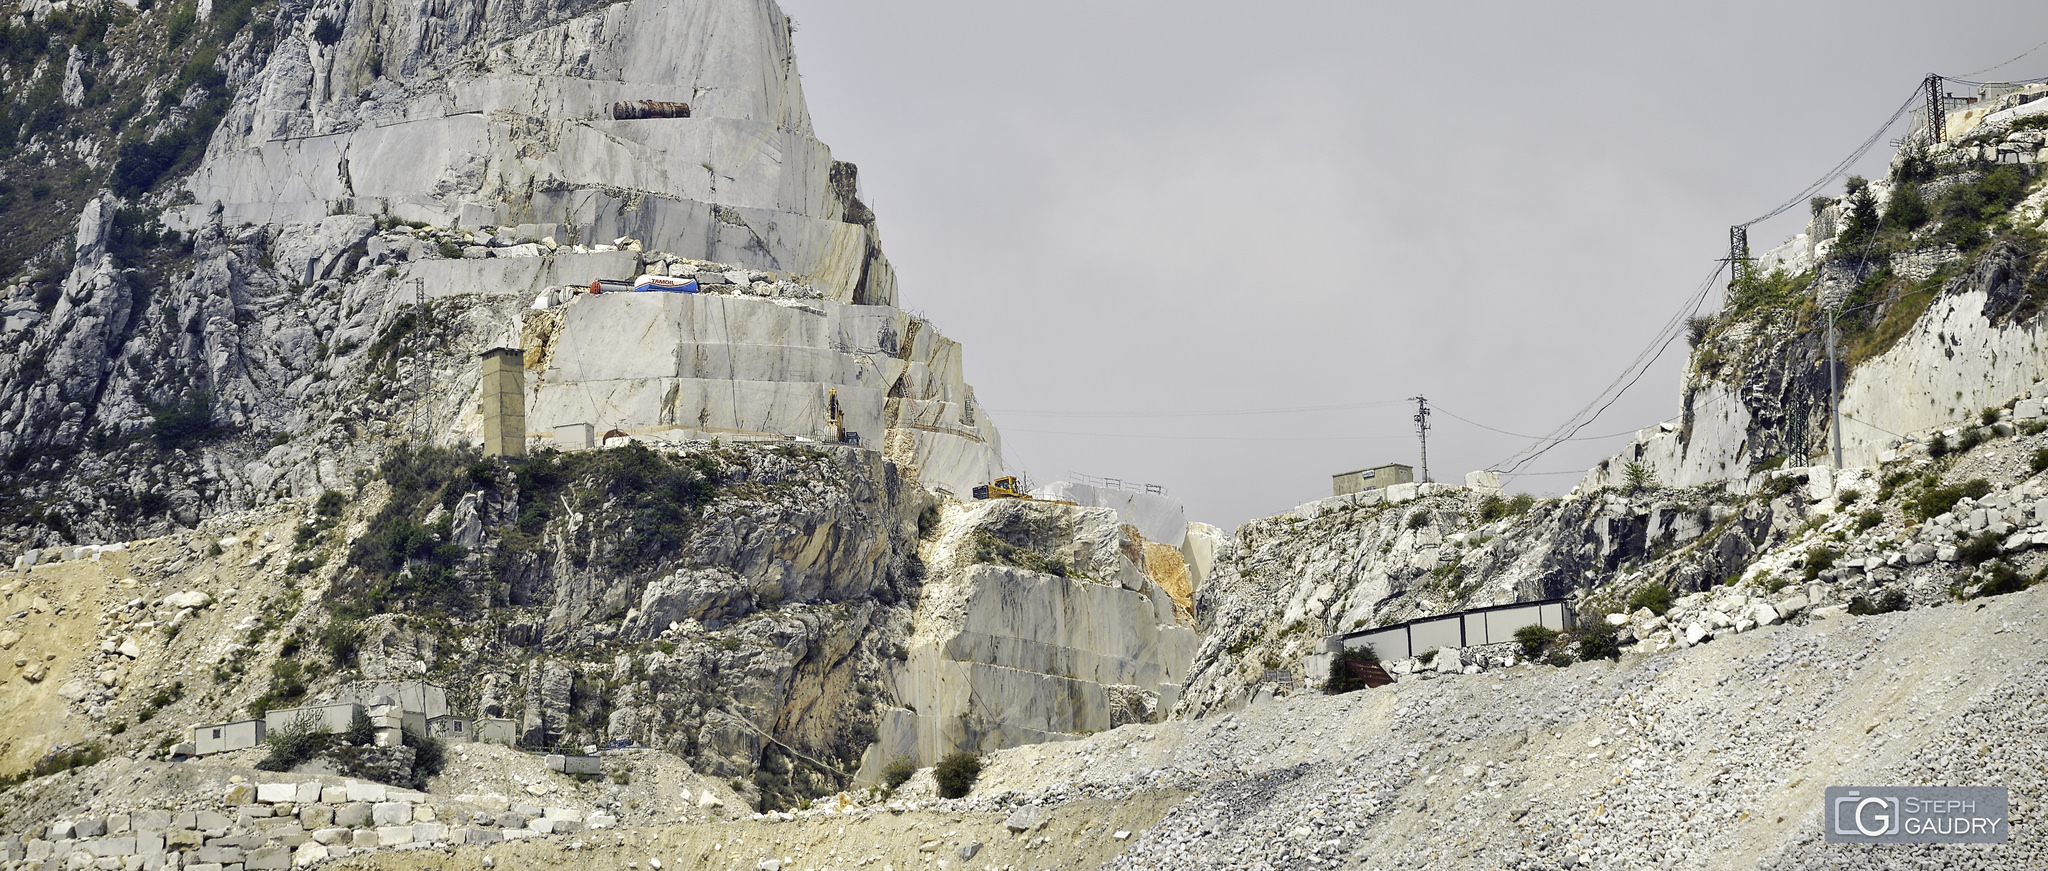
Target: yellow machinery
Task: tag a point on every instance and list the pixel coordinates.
(1006, 487)
(836, 417)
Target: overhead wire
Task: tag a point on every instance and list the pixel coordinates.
(1439, 407)
(1514, 462)
(2016, 59)
(1628, 377)
(1807, 192)
(1197, 438)
(1570, 429)
(1228, 412)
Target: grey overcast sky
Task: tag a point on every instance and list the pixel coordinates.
(1133, 212)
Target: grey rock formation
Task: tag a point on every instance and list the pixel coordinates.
(1035, 625)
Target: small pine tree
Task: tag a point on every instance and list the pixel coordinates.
(361, 732)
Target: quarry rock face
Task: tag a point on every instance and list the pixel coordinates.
(1004, 655)
(479, 116)
(702, 365)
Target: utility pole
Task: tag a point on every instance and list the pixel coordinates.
(1834, 395)
(1738, 254)
(1422, 431)
(1937, 110)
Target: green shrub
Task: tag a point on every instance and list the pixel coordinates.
(1886, 604)
(361, 731)
(990, 549)
(1860, 219)
(2039, 462)
(1819, 559)
(1655, 597)
(300, 740)
(180, 26)
(1418, 520)
(956, 774)
(1936, 501)
(342, 638)
(429, 757)
(927, 522)
(2000, 579)
(1989, 416)
(1848, 497)
(1533, 638)
(183, 423)
(1639, 477)
(450, 250)
(1560, 659)
(1493, 507)
(1938, 446)
(330, 504)
(83, 756)
(1869, 520)
(898, 772)
(1767, 464)
(1340, 678)
(287, 685)
(1597, 639)
(1978, 549)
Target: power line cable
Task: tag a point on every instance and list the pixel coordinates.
(1839, 168)
(1439, 407)
(1579, 420)
(1670, 332)
(2044, 44)
(1186, 438)
(1229, 412)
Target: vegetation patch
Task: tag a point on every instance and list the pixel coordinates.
(1534, 638)
(1597, 639)
(1343, 667)
(638, 505)
(956, 774)
(1936, 501)
(990, 549)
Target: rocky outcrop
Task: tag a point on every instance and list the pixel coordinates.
(469, 117)
(697, 366)
(466, 158)
(1947, 315)
(1037, 624)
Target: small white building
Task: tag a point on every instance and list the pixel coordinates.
(460, 730)
(497, 730)
(222, 737)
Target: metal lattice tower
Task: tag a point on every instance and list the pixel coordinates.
(1937, 111)
(1422, 431)
(1738, 254)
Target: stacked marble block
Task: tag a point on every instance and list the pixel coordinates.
(261, 827)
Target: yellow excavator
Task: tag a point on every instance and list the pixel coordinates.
(836, 418)
(1006, 487)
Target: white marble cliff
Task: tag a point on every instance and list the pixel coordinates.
(498, 139)
(514, 127)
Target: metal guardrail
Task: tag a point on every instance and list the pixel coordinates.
(1115, 483)
(1491, 625)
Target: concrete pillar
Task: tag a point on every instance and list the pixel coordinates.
(504, 394)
